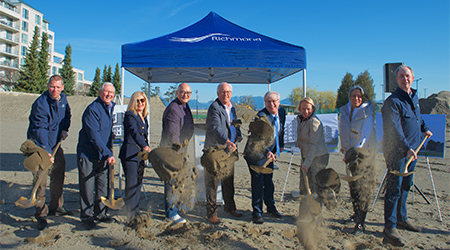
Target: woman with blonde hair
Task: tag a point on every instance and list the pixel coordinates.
(311, 141)
(135, 140)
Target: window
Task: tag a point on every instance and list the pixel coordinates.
(25, 13)
(57, 59)
(23, 51)
(50, 37)
(24, 26)
(54, 70)
(38, 20)
(80, 77)
(8, 48)
(44, 26)
(24, 38)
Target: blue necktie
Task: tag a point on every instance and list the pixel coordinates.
(276, 136)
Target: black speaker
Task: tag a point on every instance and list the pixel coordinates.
(389, 76)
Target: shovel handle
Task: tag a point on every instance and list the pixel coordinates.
(56, 149)
(305, 174)
(416, 151)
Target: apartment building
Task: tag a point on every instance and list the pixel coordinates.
(17, 23)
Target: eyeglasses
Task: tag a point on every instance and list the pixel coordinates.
(109, 92)
(185, 92)
(140, 100)
(225, 92)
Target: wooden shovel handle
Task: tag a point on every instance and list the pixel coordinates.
(416, 151)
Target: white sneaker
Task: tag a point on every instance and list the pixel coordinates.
(177, 219)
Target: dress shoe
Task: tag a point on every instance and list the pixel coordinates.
(275, 213)
(408, 226)
(358, 230)
(350, 220)
(214, 220)
(41, 223)
(60, 211)
(235, 213)
(258, 219)
(90, 224)
(105, 219)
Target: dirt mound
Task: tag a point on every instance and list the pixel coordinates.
(437, 104)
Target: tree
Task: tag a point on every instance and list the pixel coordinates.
(96, 84)
(365, 80)
(67, 73)
(155, 91)
(322, 99)
(342, 93)
(43, 62)
(9, 79)
(248, 101)
(29, 73)
(116, 79)
(170, 93)
(109, 79)
(106, 77)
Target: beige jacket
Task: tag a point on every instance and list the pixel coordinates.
(310, 138)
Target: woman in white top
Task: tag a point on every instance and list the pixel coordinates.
(357, 130)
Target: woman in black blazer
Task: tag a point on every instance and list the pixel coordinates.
(135, 140)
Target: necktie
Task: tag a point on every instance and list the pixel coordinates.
(277, 141)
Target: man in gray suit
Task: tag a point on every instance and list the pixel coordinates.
(219, 131)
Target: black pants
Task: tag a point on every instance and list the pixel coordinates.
(93, 184)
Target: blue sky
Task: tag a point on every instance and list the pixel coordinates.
(338, 36)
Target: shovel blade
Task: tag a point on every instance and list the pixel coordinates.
(396, 172)
(112, 203)
(23, 202)
(351, 178)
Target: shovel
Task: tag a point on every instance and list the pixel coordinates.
(309, 206)
(23, 202)
(111, 202)
(349, 177)
(405, 172)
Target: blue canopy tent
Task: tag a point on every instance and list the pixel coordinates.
(213, 50)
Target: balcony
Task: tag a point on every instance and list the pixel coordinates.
(9, 52)
(9, 64)
(9, 39)
(9, 10)
(10, 25)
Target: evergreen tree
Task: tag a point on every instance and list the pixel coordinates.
(365, 80)
(342, 94)
(96, 84)
(109, 74)
(116, 79)
(105, 74)
(29, 71)
(67, 72)
(43, 62)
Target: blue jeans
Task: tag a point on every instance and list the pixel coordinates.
(397, 189)
(262, 190)
(169, 207)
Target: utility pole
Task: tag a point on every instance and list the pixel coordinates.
(417, 85)
(196, 101)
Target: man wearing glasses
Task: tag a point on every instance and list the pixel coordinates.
(94, 155)
(178, 126)
(219, 131)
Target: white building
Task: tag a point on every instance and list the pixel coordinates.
(17, 23)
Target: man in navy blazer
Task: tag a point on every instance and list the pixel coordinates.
(262, 184)
(178, 125)
(94, 154)
(219, 131)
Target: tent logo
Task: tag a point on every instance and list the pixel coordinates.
(195, 39)
(214, 37)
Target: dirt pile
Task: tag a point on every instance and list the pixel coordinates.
(437, 104)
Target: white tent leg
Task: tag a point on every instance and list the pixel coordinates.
(287, 175)
(434, 190)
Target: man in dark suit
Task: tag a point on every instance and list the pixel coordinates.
(219, 131)
(262, 183)
(178, 125)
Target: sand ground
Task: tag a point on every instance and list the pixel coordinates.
(18, 226)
